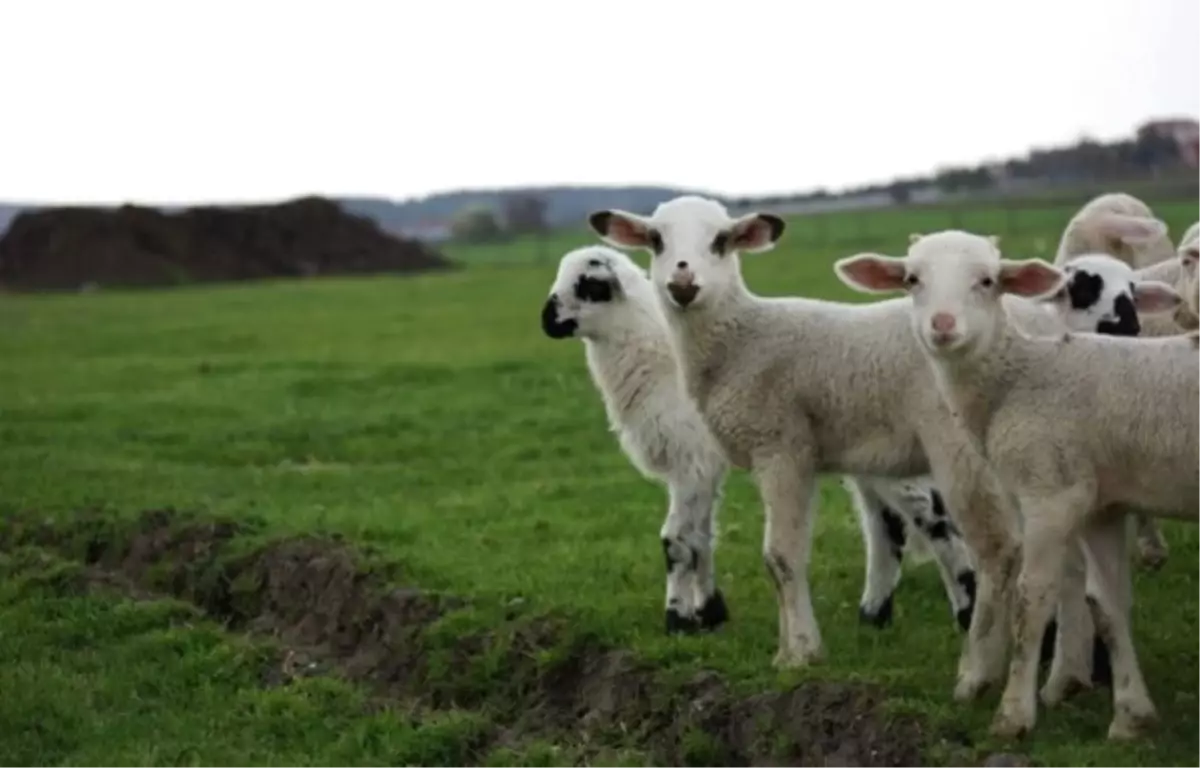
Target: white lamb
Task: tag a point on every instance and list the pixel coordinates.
(794, 387)
(1126, 228)
(1180, 272)
(1117, 224)
(1069, 445)
(602, 297)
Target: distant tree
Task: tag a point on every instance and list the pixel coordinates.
(524, 213)
(476, 224)
(1153, 150)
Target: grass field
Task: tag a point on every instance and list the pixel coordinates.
(427, 424)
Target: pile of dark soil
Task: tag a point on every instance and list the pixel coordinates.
(73, 248)
(333, 612)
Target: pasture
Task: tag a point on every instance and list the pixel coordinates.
(426, 424)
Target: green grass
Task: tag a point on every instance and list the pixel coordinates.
(430, 418)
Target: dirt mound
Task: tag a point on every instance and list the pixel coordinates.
(76, 247)
(330, 609)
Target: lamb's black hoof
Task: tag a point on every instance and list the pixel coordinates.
(963, 617)
(680, 625)
(713, 613)
(880, 618)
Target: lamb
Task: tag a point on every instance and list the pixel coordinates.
(1179, 272)
(1117, 224)
(793, 387)
(1071, 447)
(602, 297)
(1124, 227)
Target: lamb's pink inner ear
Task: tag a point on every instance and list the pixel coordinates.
(753, 233)
(1151, 296)
(1030, 278)
(627, 232)
(872, 273)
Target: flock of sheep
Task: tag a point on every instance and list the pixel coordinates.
(1004, 412)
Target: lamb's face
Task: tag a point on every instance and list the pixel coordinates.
(694, 245)
(955, 280)
(589, 283)
(1104, 295)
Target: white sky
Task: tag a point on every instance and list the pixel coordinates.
(185, 101)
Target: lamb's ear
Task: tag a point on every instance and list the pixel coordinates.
(871, 273)
(755, 232)
(1151, 296)
(1032, 278)
(1131, 230)
(621, 228)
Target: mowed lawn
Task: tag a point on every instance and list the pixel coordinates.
(430, 417)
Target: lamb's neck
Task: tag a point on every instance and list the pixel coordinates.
(704, 339)
(627, 367)
(973, 386)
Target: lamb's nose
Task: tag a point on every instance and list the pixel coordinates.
(683, 294)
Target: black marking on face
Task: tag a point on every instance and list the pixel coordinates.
(966, 580)
(595, 263)
(894, 526)
(1084, 289)
(1126, 324)
(593, 289)
(714, 612)
(720, 243)
(881, 617)
(552, 326)
(654, 237)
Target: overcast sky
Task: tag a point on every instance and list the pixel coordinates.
(212, 100)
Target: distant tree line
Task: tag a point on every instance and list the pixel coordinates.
(1148, 153)
(520, 213)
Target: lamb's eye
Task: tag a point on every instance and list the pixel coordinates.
(911, 280)
(987, 282)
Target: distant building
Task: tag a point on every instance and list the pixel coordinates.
(1184, 131)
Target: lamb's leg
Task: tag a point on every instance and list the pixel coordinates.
(787, 486)
(1108, 558)
(923, 504)
(883, 538)
(712, 611)
(679, 532)
(1071, 662)
(980, 508)
(1049, 526)
(1152, 547)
